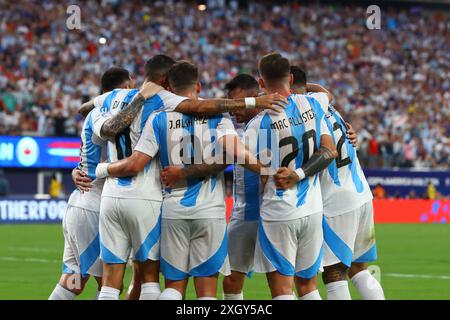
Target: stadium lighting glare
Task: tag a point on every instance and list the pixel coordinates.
(102, 40)
(202, 7)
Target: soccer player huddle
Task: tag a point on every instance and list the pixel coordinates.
(151, 189)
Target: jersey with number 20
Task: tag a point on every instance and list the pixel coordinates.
(288, 139)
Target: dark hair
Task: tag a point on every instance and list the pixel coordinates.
(157, 67)
(242, 81)
(274, 67)
(183, 74)
(113, 78)
(299, 76)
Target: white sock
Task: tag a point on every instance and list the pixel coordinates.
(97, 294)
(313, 295)
(108, 293)
(150, 291)
(207, 298)
(61, 293)
(285, 297)
(338, 290)
(170, 294)
(233, 296)
(368, 287)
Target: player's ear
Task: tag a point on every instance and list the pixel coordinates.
(199, 87)
(261, 83)
(291, 79)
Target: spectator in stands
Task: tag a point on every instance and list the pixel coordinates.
(379, 192)
(392, 83)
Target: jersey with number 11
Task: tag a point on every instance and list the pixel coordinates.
(146, 185)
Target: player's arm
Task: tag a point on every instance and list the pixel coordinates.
(314, 87)
(235, 150)
(86, 108)
(127, 167)
(117, 123)
(171, 175)
(212, 107)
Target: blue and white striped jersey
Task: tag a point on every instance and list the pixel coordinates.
(344, 186)
(146, 185)
(92, 152)
(182, 140)
(246, 187)
(288, 139)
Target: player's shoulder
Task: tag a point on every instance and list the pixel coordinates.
(257, 120)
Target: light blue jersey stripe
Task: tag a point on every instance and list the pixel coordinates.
(297, 132)
(93, 151)
(193, 185)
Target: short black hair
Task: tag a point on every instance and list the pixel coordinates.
(242, 81)
(183, 74)
(157, 67)
(113, 78)
(300, 76)
(274, 67)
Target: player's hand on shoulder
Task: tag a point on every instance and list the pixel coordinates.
(351, 135)
(81, 180)
(274, 101)
(149, 89)
(285, 178)
(171, 175)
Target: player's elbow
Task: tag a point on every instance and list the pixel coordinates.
(133, 168)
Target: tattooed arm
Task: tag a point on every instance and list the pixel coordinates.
(217, 106)
(320, 160)
(125, 117)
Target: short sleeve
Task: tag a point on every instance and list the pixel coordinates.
(225, 127)
(170, 100)
(148, 143)
(324, 127)
(322, 98)
(98, 119)
(99, 100)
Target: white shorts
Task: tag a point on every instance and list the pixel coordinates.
(242, 235)
(129, 224)
(292, 247)
(195, 248)
(350, 237)
(81, 242)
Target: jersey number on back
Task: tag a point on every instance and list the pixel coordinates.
(341, 162)
(307, 153)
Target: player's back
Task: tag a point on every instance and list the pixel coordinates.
(246, 190)
(344, 186)
(145, 185)
(185, 140)
(92, 152)
(290, 137)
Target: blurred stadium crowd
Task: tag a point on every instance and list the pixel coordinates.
(392, 84)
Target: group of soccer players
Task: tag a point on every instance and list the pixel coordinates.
(151, 189)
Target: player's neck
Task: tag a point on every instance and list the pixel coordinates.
(191, 94)
(285, 92)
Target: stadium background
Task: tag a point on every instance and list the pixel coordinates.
(392, 84)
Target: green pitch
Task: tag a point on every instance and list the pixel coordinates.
(414, 261)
